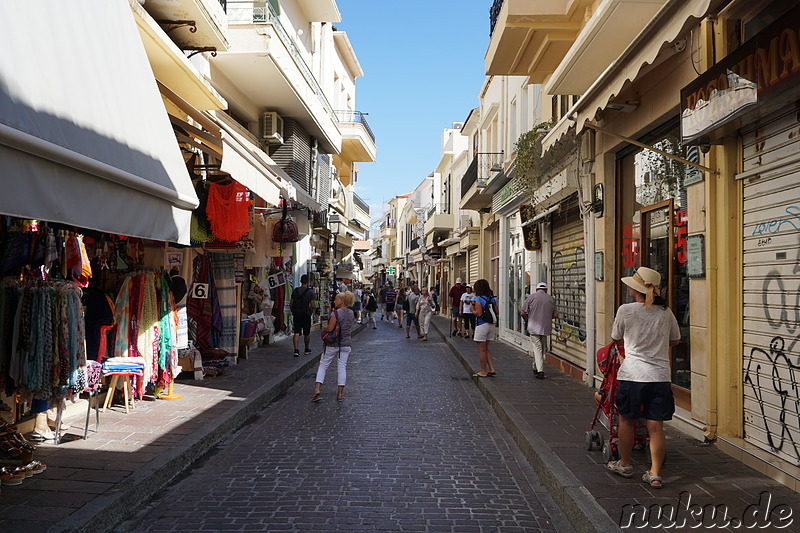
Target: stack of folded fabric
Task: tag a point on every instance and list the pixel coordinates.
(214, 361)
(123, 366)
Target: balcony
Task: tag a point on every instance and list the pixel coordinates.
(192, 23)
(388, 230)
(439, 219)
(265, 64)
(484, 167)
(531, 37)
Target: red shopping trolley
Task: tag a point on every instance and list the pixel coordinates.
(609, 359)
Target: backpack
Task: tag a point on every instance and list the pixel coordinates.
(300, 300)
(488, 316)
(333, 337)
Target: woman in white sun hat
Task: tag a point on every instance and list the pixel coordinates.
(647, 329)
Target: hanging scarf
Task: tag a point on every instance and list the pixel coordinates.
(122, 317)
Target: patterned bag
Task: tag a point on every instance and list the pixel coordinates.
(332, 338)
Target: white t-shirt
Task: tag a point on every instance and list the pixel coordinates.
(646, 335)
(466, 299)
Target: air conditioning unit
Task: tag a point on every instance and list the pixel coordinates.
(272, 127)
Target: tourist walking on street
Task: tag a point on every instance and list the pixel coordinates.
(484, 330)
(467, 318)
(370, 307)
(358, 293)
(411, 313)
(301, 305)
(391, 301)
(434, 294)
(424, 310)
(539, 310)
(342, 316)
(646, 328)
(455, 306)
(382, 298)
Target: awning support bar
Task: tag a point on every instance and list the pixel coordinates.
(656, 150)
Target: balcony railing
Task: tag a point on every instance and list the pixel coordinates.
(438, 209)
(224, 4)
(360, 203)
(494, 12)
(261, 12)
(484, 166)
(357, 117)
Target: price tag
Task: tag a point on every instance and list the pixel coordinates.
(199, 291)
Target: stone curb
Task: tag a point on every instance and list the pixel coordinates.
(575, 501)
(108, 510)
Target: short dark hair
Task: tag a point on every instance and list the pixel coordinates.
(481, 288)
(304, 278)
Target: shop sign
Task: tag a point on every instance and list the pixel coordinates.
(276, 280)
(750, 79)
(531, 235)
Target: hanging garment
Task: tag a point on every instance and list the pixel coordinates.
(99, 313)
(205, 319)
(223, 266)
(228, 211)
(200, 229)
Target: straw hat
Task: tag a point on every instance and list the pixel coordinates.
(646, 281)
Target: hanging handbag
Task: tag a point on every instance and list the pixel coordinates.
(332, 338)
(285, 229)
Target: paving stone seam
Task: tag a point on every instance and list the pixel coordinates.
(108, 510)
(575, 501)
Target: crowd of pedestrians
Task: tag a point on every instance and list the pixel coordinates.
(646, 329)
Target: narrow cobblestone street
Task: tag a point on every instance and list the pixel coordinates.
(414, 447)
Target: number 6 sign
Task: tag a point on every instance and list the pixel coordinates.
(199, 291)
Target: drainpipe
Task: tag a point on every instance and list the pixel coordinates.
(585, 184)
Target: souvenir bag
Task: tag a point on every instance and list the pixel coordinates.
(285, 229)
(331, 338)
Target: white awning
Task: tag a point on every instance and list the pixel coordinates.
(247, 163)
(671, 21)
(84, 136)
(612, 27)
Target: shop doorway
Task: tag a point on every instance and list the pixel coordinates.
(652, 230)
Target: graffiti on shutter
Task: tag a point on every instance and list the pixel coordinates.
(568, 269)
(771, 290)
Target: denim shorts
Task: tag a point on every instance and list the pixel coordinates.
(649, 400)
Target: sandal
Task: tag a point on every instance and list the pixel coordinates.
(480, 375)
(315, 398)
(617, 468)
(653, 481)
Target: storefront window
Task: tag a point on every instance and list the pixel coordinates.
(516, 273)
(652, 233)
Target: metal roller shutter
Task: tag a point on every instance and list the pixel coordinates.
(460, 267)
(568, 284)
(771, 298)
(473, 265)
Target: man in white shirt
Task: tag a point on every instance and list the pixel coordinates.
(539, 310)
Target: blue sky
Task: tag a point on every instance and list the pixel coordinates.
(423, 68)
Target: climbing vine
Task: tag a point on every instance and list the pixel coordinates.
(534, 168)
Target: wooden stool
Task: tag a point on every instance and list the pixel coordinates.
(126, 388)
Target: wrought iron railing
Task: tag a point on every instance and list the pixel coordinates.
(261, 12)
(494, 12)
(357, 117)
(360, 203)
(484, 166)
(224, 4)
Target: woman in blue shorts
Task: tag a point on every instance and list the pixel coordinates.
(647, 329)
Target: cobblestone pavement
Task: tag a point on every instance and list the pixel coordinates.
(414, 447)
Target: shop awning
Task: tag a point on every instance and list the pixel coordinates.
(612, 27)
(84, 136)
(248, 164)
(669, 23)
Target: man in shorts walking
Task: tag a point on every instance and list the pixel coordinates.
(456, 291)
(302, 307)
